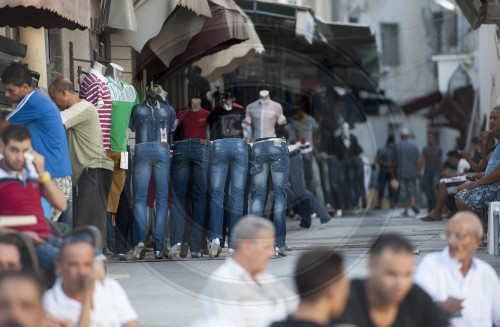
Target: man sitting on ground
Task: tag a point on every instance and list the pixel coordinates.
(79, 298)
(447, 186)
(388, 296)
(21, 191)
(465, 287)
(241, 291)
(323, 288)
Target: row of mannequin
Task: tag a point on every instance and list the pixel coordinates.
(230, 127)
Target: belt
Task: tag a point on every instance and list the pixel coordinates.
(270, 139)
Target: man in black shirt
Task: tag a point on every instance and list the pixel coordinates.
(388, 297)
(323, 287)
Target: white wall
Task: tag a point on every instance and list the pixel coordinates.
(488, 68)
(81, 49)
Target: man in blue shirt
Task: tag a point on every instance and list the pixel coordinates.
(42, 118)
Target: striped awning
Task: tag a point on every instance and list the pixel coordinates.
(74, 14)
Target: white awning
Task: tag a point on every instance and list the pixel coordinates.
(152, 14)
(226, 61)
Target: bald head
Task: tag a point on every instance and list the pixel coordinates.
(469, 221)
(63, 94)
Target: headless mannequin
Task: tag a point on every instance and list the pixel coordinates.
(99, 68)
(228, 104)
(195, 104)
(116, 72)
(264, 95)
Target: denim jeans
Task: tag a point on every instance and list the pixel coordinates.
(149, 156)
(270, 157)
(229, 159)
(48, 252)
(190, 161)
(299, 195)
(312, 176)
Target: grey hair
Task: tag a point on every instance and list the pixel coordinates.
(248, 228)
(479, 230)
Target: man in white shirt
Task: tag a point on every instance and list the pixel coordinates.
(241, 291)
(78, 297)
(465, 287)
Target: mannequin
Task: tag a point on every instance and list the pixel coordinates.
(152, 121)
(123, 98)
(189, 162)
(229, 160)
(94, 89)
(351, 167)
(269, 157)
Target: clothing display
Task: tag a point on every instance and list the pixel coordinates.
(94, 89)
(152, 125)
(194, 123)
(352, 176)
(123, 98)
(229, 159)
(311, 171)
(263, 115)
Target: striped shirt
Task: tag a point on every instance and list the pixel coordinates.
(95, 90)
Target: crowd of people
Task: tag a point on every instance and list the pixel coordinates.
(56, 176)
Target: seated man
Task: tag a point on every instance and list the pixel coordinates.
(20, 301)
(21, 191)
(388, 296)
(465, 287)
(323, 288)
(448, 185)
(241, 291)
(10, 257)
(476, 196)
(79, 298)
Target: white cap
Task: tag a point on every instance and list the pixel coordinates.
(404, 131)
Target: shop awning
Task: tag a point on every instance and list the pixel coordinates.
(152, 14)
(226, 61)
(74, 14)
(224, 29)
(458, 107)
(480, 12)
(421, 102)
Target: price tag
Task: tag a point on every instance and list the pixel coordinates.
(124, 160)
(277, 143)
(163, 134)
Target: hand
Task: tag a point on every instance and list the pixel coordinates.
(34, 237)
(451, 305)
(471, 185)
(38, 162)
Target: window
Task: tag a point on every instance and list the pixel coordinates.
(390, 44)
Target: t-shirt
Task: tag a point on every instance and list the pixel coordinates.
(226, 123)
(110, 305)
(48, 136)
(385, 156)
(302, 128)
(463, 166)
(21, 195)
(85, 142)
(493, 161)
(123, 98)
(432, 156)
(263, 116)
(406, 155)
(194, 123)
(94, 89)
(290, 322)
(416, 310)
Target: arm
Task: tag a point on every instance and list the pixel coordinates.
(492, 177)
(50, 191)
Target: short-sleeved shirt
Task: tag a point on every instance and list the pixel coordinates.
(263, 116)
(416, 310)
(48, 136)
(432, 157)
(152, 124)
(194, 123)
(493, 161)
(226, 123)
(85, 140)
(110, 305)
(123, 98)
(302, 128)
(406, 155)
(385, 156)
(95, 90)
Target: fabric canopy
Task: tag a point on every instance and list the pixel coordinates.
(74, 14)
(226, 61)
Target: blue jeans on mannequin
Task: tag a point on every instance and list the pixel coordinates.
(270, 157)
(148, 156)
(229, 159)
(190, 160)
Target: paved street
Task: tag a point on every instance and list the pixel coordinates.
(166, 293)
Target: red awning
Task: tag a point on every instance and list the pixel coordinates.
(458, 107)
(422, 102)
(73, 14)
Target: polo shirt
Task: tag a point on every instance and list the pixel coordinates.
(94, 89)
(85, 140)
(21, 195)
(110, 305)
(439, 275)
(48, 136)
(123, 98)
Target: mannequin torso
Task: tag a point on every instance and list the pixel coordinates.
(263, 115)
(226, 121)
(194, 121)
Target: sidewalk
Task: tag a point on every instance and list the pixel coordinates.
(165, 293)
